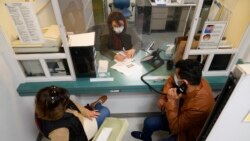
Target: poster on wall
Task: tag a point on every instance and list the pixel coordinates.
(212, 34)
(25, 22)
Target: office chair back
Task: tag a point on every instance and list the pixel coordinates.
(121, 4)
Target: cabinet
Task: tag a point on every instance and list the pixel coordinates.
(159, 17)
(168, 17)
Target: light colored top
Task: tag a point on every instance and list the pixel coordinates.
(89, 125)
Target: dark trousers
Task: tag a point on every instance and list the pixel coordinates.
(155, 123)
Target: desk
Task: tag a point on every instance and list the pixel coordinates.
(121, 83)
(169, 17)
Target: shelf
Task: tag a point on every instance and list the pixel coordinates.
(172, 4)
(40, 56)
(212, 51)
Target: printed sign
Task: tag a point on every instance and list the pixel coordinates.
(25, 21)
(212, 34)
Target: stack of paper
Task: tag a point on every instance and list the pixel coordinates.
(84, 39)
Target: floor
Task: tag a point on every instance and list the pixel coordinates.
(135, 124)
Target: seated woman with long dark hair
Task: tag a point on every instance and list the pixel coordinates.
(61, 119)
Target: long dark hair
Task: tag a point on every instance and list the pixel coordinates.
(51, 102)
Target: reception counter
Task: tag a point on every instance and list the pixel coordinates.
(120, 84)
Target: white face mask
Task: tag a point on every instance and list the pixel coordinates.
(176, 80)
(118, 30)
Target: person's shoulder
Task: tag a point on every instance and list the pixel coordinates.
(105, 37)
(126, 36)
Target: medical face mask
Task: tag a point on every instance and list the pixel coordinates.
(176, 80)
(180, 87)
(118, 30)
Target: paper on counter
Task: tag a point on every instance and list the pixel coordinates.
(84, 39)
(127, 67)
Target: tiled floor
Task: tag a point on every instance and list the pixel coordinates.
(136, 123)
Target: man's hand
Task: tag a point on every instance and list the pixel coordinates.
(161, 103)
(172, 95)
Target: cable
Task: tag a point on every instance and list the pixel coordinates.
(156, 61)
(150, 87)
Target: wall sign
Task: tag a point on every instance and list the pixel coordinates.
(25, 22)
(212, 34)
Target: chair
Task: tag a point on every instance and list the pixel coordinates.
(122, 6)
(119, 127)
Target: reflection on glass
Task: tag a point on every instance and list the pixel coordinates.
(32, 68)
(58, 67)
(74, 19)
(220, 62)
(35, 25)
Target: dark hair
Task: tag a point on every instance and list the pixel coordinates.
(190, 70)
(116, 16)
(51, 102)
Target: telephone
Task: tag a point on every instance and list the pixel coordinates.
(52, 42)
(181, 89)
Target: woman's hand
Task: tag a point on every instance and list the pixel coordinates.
(92, 114)
(119, 57)
(130, 53)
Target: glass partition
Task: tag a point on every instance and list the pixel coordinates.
(161, 24)
(58, 67)
(32, 68)
(34, 25)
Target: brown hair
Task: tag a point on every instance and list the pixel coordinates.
(51, 102)
(116, 16)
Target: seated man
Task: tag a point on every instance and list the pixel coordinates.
(187, 103)
(117, 39)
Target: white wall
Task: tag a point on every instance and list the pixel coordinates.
(230, 125)
(247, 55)
(245, 46)
(16, 120)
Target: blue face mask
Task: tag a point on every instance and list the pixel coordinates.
(118, 30)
